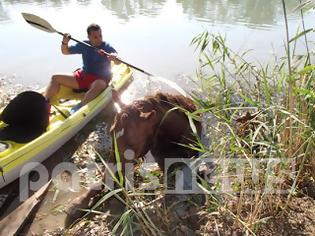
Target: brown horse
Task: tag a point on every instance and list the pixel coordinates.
(157, 123)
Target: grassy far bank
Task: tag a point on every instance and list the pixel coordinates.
(259, 121)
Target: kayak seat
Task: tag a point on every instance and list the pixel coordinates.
(26, 116)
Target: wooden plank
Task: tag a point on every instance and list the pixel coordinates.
(12, 223)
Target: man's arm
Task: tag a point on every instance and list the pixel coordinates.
(111, 56)
(64, 44)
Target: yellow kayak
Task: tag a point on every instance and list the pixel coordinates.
(19, 158)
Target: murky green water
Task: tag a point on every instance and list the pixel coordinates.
(152, 34)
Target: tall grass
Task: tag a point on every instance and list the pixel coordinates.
(281, 101)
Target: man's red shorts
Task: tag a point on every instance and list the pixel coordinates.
(85, 79)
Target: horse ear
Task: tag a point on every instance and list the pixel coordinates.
(124, 117)
(119, 119)
(148, 115)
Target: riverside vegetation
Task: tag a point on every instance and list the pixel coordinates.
(259, 123)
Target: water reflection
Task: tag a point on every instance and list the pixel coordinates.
(250, 12)
(46, 3)
(127, 9)
(84, 2)
(3, 14)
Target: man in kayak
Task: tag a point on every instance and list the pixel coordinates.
(95, 74)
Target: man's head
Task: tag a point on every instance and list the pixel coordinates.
(94, 32)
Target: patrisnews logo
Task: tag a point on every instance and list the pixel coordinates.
(181, 176)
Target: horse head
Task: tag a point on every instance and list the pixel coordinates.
(134, 129)
(152, 123)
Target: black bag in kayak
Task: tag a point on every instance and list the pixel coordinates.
(27, 117)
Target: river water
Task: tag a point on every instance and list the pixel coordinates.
(154, 35)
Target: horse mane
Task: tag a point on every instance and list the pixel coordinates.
(159, 101)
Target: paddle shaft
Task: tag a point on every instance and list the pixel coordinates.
(90, 46)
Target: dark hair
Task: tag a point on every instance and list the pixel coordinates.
(93, 27)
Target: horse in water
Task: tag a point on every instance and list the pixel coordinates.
(157, 123)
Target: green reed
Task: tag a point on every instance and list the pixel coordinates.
(282, 96)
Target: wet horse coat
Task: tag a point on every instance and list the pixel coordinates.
(157, 123)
